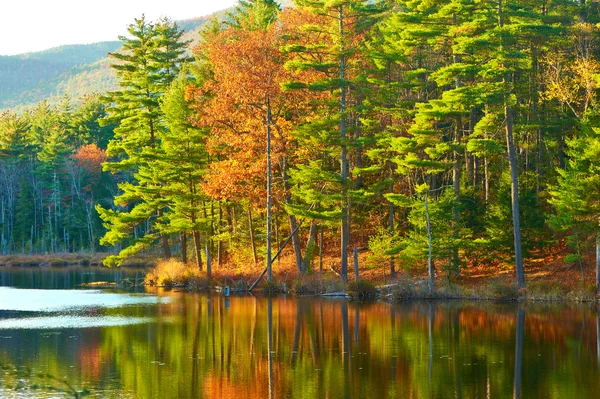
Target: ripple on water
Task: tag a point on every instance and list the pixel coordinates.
(56, 322)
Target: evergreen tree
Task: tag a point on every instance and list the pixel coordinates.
(333, 36)
(184, 163)
(253, 14)
(150, 60)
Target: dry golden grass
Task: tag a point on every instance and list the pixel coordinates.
(171, 273)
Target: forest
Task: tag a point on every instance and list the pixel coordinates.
(436, 133)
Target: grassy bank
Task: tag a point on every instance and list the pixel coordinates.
(547, 279)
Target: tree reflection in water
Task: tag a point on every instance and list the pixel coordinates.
(204, 347)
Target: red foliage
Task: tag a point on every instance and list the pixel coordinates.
(90, 157)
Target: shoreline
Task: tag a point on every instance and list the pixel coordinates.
(544, 283)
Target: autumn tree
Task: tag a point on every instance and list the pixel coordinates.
(245, 108)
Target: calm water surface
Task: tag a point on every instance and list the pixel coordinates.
(166, 344)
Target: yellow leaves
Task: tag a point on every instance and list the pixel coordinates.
(572, 78)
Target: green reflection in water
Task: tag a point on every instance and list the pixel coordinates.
(244, 347)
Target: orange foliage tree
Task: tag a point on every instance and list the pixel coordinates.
(237, 104)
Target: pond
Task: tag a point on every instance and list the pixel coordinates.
(169, 344)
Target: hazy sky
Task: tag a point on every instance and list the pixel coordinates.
(32, 25)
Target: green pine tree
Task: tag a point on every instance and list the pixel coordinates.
(149, 61)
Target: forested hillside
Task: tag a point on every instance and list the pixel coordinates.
(74, 70)
(30, 78)
(437, 134)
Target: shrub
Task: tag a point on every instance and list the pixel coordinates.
(502, 291)
(97, 260)
(169, 273)
(270, 288)
(361, 289)
(317, 284)
(545, 290)
(379, 245)
(198, 283)
(57, 262)
(582, 294)
(84, 262)
(403, 290)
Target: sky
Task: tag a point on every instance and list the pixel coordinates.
(33, 25)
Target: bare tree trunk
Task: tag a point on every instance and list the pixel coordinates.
(291, 218)
(269, 187)
(208, 259)
(345, 226)
(197, 249)
(514, 180)
(355, 253)
(597, 263)
(276, 221)
(430, 268)
(514, 185)
(391, 226)
(456, 175)
(183, 238)
(321, 249)
(165, 240)
(487, 181)
(252, 239)
(456, 185)
(220, 243)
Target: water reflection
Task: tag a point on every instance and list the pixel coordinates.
(28, 300)
(519, 351)
(68, 277)
(270, 343)
(67, 321)
(201, 346)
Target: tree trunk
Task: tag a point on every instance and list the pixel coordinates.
(292, 219)
(220, 243)
(430, 268)
(514, 179)
(321, 249)
(486, 184)
(197, 249)
(165, 240)
(183, 238)
(345, 225)
(355, 253)
(456, 175)
(514, 186)
(597, 263)
(269, 187)
(312, 237)
(391, 226)
(456, 185)
(276, 230)
(208, 260)
(252, 240)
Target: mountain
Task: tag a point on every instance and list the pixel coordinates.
(29, 78)
(75, 70)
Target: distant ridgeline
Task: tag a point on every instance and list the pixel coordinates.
(74, 70)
